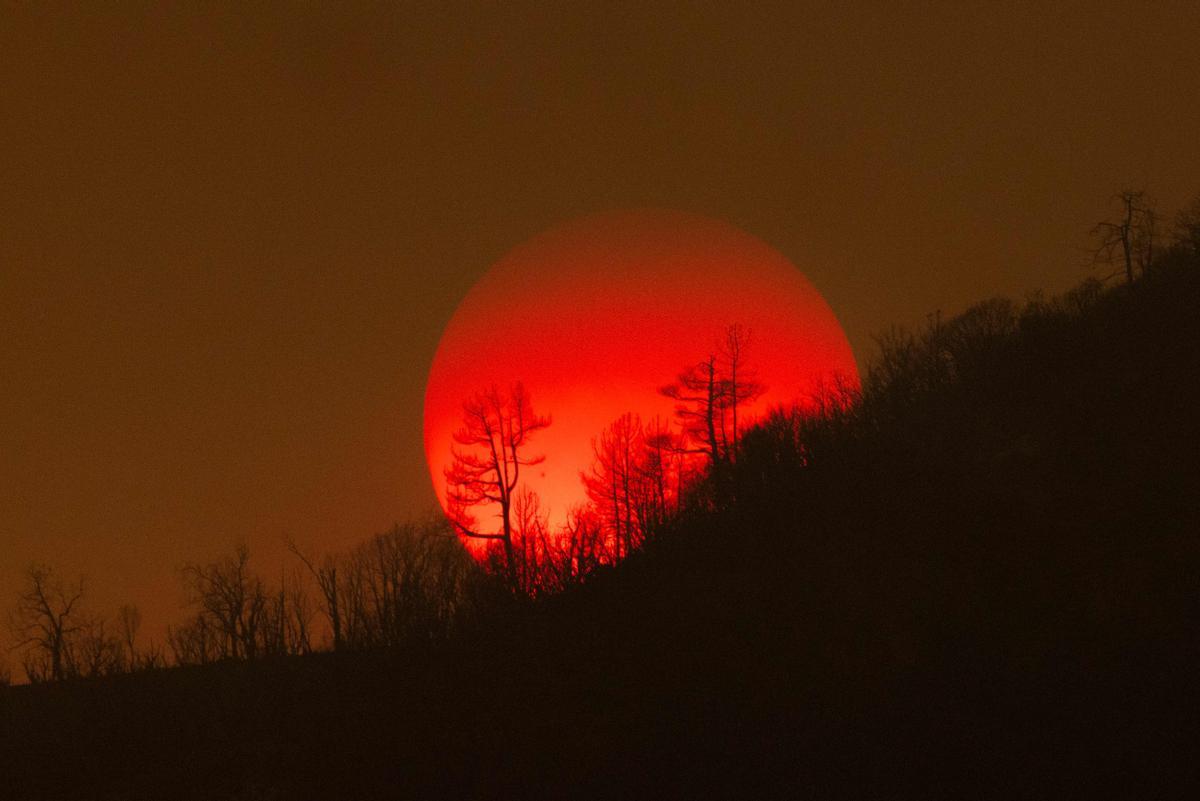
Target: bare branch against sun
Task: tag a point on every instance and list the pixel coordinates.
(487, 460)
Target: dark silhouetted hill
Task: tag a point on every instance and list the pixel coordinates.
(980, 580)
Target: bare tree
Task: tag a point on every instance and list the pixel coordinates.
(298, 617)
(129, 618)
(709, 395)
(356, 604)
(197, 641)
(615, 483)
(697, 393)
(741, 385)
(412, 582)
(1130, 238)
(1187, 227)
(326, 575)
(46, 621)
(635, 481)
(284, 624)
(663, 469)
(533, 544)
(487, 463)
(94, 651)
(233, 599)
(579, 550)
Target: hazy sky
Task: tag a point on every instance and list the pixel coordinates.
(229, 241)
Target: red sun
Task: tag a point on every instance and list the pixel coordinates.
(593, 317)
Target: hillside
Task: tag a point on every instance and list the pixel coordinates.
(978, 580)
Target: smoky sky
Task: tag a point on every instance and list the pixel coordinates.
(230, 238)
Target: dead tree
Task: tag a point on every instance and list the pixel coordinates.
(94, 652)
(232, 598)
(326, 575)
(574, 552)
(615, 484)
(697, 394)
(46, 621)
(662, 472)
(135, 656)
(298, 617)
(357, 625)
(580, 547)
(1129, 239)
(283, 627)
(488, 459)
(1187, 228)
(130, 621)
(196, 641)
(405, 584)
(710, 397)
(741, 385)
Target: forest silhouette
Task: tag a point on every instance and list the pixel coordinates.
(973, 575)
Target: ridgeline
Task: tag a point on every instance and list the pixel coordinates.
(978, 579)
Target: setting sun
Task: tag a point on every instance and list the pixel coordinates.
(594, 317)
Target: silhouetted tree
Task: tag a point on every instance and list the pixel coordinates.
(697, 393)
(284, 626)
(130, 621)
(663, 471)
(326, 576)
(412, 582)
(708, 395)
(298, 615)
(531, 534)
(741, 385)
(356, 612)
(232, 598)
(197, 641)
(93, 651)
(487, 466)
(1130, 237)
(46, 622)
(1187, 228)
(579, 548)
(614, 483)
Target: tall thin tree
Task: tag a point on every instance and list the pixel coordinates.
(487, 460)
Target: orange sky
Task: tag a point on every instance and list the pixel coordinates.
(229, 244)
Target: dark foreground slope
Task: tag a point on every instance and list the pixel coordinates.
(984, 582)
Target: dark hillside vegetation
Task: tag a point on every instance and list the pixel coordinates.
(980, 578)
